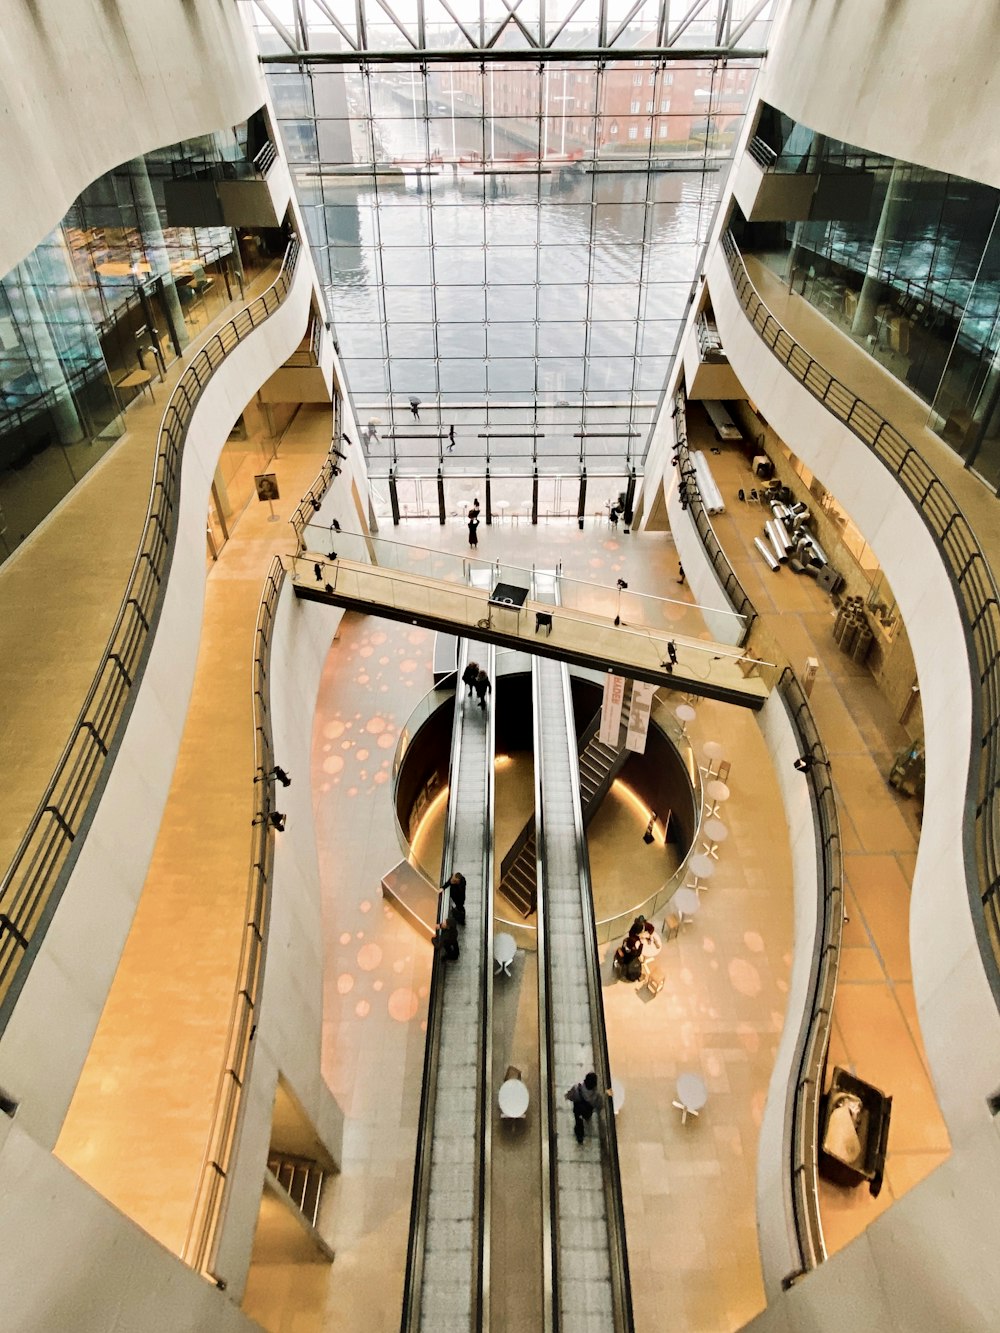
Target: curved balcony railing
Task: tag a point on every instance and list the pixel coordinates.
(814, 1039)
(38, 874)
(308, 506)
(977, 597)
(724, 571)
(200, 1246)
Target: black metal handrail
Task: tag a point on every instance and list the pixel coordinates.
(814, 1039)
(213, 1181)
(37, 876)
(724, 571)
(977, 598)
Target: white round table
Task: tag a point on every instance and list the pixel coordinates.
(504, 949)
(691, 1095)
(513, 1099)
(501, 506)
(684, 714)
(717, 792)
(712, 750)
(714, 832)
(686, 902)
(702, 867)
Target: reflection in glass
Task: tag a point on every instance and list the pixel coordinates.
(98, 311)
(906, 261)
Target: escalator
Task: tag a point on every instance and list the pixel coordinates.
(447, 1285)
(584, 1233)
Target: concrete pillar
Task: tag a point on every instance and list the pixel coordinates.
(871, 289)
(148, 218)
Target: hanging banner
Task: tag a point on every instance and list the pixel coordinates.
(611, 709)
(638, 716)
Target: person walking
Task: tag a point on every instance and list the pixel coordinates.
(473, 527)
(585, 1099)
(446, 940)
(451, 438)
(456, 890)
(469, 677)
(483, 687)
(415, 408)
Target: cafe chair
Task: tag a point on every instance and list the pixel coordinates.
(655, 980)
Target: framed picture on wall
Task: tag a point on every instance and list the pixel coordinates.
(267, 486)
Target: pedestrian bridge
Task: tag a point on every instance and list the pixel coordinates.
(506, 615)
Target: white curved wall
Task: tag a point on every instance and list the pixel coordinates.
(290, 1024)
(913, 79)
(925, 1263)
(88, 84)
(49, 1034)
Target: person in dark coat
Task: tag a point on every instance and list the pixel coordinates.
(473, 525)
(586, 1099)
(469, 677)
(446, 940)
(456, 889)
(483, 687)
(415, 408)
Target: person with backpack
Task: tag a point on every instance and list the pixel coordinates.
(585, 1099)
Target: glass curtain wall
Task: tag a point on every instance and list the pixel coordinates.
(907, 261)
(510, 246)
(112, 291)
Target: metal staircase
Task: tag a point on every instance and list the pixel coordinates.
(599, 765)
(302, 1180)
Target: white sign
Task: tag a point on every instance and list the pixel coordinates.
(611, 709)
(638, 716)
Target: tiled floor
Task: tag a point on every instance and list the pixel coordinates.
(721, 1011)
(875, 1032)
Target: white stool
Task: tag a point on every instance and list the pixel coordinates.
(684, 714)
(691, 1095)
(702, 867)
(717, 792)
(686, 903)
(712, 751)
(714, 832)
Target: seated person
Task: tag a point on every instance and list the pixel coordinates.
(651, 942)
(628, 957)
